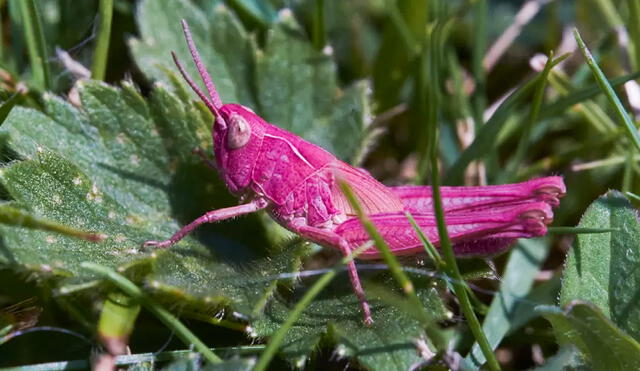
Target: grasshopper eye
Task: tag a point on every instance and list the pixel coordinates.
(239, 132)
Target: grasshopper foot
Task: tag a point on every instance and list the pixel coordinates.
(368, 321)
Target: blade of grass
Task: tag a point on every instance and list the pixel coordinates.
(439, 263)
(576, 230)
(633, 196)
(485, 138)
(395, 268)
(132, 359)
(130, 289)
(429, 85)
(633, 25)
(460, 106)
(117, 320)
(401, 26)
(564, 103)
(8, 105)
(428, 246)
(520, 272)
(592, 112)
(318, 31)
(608, 162)
(459, 285)
(36, 43)
(422, 95)
(432, 94)
(101, 53)
(627, 175)
(20, 218)
(611, 15)
(479, 99)
(278, 337)
(14, 56)
(2, 33)
(523, 144)
(601, 79)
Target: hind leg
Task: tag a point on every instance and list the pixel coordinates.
(329, 238)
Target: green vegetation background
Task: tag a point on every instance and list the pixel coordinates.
(369, 81)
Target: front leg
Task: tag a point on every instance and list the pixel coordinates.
(211, 217)
(330, 238)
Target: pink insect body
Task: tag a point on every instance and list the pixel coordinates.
(295, 182)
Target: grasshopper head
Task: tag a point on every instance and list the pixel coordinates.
(237, 140)
(237, 131)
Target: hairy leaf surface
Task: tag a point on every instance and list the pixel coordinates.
(603, 268)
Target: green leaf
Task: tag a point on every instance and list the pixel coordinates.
(205, 284)
(119, 166)
(297, 89)
(305, 79)
(403, 33)
(136, 295)
(7, 105)
(387, 345)
(585, 326)
(568, 357)
(123, 167)
(288, 83)
(53, 187)
(522, 268)
(603, 268)
(261, 12)
(223, 44)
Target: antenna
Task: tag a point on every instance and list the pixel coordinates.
(213, 102)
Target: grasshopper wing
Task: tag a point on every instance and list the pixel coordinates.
(485, 231)
(374, 196)
(418, 199)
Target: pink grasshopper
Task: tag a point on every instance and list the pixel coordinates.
(295, 182)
